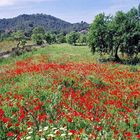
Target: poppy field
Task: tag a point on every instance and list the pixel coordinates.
(64, 99)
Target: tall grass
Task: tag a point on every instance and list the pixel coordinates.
(7, 45)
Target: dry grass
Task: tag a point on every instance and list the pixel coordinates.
(8, 45)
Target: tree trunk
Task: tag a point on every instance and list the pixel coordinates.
(18, 44)
(116, 55)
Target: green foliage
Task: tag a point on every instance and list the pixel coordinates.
(38, 35)
(82, 40)
(2, 36)
(39, 30)
(50, 38)
(98, 34)
(23, 42)
(19, 36)
(111, 35)
(72, 37)
(37, 38)
(61, 38)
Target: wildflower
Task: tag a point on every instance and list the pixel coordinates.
(54, 128)
(30, 132)
(128, 134)
(29, 137)
(5, 120)
(70, 120)
(138, 136)
(21, 117)
(62, 128)
(37, 108)
(10, 134)
(50, 121)
(98, 120)
(29, 128)
(56, 131)
(72, 131)
(46, 128)
(40, 130)
(63, 135)
(69, 133)
(51, 135)
(1, 112)
(99, 128)
(42, 117)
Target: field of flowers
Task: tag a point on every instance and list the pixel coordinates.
(59, 100)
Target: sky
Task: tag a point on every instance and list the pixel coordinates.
(69, 10)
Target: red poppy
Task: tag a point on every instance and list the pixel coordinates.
(42, 117)
(10, 134)
(1, 112)
(73, 131)
(138, 136)
(5, 120)
(128, 134)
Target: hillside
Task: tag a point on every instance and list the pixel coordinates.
(48, 22)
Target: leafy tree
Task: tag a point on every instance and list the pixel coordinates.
(82, 39)
(113, 35)
(18, 36)
(50, 38)
(127, 33)
(132, 38)
(119, 22)
(61, 38)
(139, 11)
(38, 35)
(72, 38)
(53, 38)
(39, 30)
(23, 42)
(1, 35)
(98, 34)
(38, 39)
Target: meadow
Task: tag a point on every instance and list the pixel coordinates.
(62, 92)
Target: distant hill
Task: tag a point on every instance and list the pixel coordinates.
(48, 22)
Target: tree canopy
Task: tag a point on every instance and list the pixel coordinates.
(72, 37)
(38, 35)
(19, 36)
(115, 35)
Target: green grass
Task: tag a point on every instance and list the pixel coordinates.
(60, 53)
(57, 52)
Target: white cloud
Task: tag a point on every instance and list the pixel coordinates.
(7, 2)
(13, 2)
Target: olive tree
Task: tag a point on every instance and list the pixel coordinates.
(19, 37)
(115, 35)
(72, 38)
(38, 35)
